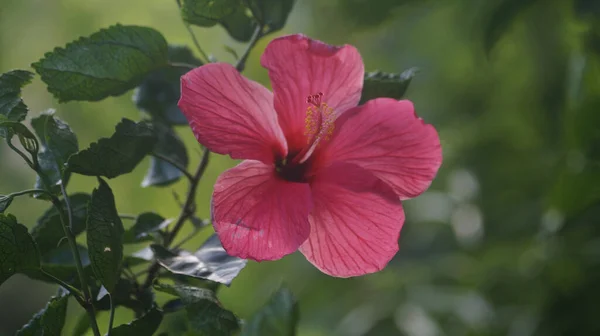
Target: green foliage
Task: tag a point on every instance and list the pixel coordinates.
(229, 13)
(58, 143)
(108, 63)
(278, 317)
(170, 147)
(205, 315)
(379, 84)
(11, 104)
(159, 92)
(48, 321)
(209, 262)
(10, 128)
(48, 231)
(105, 236)
(117, 155)
(60, 263)
(145, 325)
(145, 225)
(18, 252)
(5, 203)
(271, 13)
(500, 20)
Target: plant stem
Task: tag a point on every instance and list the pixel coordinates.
(186, 212)
(24, 192)
(174, 164)
(196, 43)
(89, 307)
(128, 216)
(72, 290)
(111, 319)
(258, 33)
(183, 65)
(21, 154)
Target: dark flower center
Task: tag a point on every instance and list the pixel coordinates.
(292, 171)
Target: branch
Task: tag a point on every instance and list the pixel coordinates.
(241, 64)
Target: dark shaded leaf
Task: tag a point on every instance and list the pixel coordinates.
(48, 232)
(379, 84)
(125, 294)
(105, 236)
(271, 13)
(278, 317)
(239, 25)
(8, 129)
(204, 312)
(119, 154)
(172, 306)
(60, 263)
(145, 224)
(500, 20)
(5, 203)
(58, 142)
(11, 104)
(159, 92)
(145, 325)
(209, 262)
(170, 146)
(108, 63)
(48, 321)
(205, 12)
(18, 252)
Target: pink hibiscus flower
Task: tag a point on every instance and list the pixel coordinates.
(321, 174)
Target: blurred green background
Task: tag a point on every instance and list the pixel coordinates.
(505, 242)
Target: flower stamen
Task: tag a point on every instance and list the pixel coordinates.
(319, 125)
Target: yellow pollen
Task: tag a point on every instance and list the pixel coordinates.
(319, 125)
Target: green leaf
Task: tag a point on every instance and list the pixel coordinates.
(204, 312)
(145, 325)
(48, 231)
(239, 25)
(170, 146)
(105, 236)
(48, 321)
(58, 142)
(11, 104)
(5, 203)
(209, 262)
(379, 84)
(159, 92)
(60, 263)
(278, 317)
(119, 154)
(229, 13)
(145, 224)
(108, 63)
(203, 12)
(271, 13)
(8, 129)
(128, 295)
(55, 136)
(18, 252)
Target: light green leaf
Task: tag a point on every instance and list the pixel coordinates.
(271, 13)
(380, 84)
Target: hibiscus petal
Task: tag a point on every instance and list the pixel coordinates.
(257, 215)
(355, 224)
(230, 114)
(385, 137)
(299, 67)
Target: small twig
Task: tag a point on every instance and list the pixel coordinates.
(186, 212)
(24, 192)
(258, 33)
(21, 154)
(72, 290)
(183, 65)
(111, 319)
(196, 43)
(187, 239)
(174, 164)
